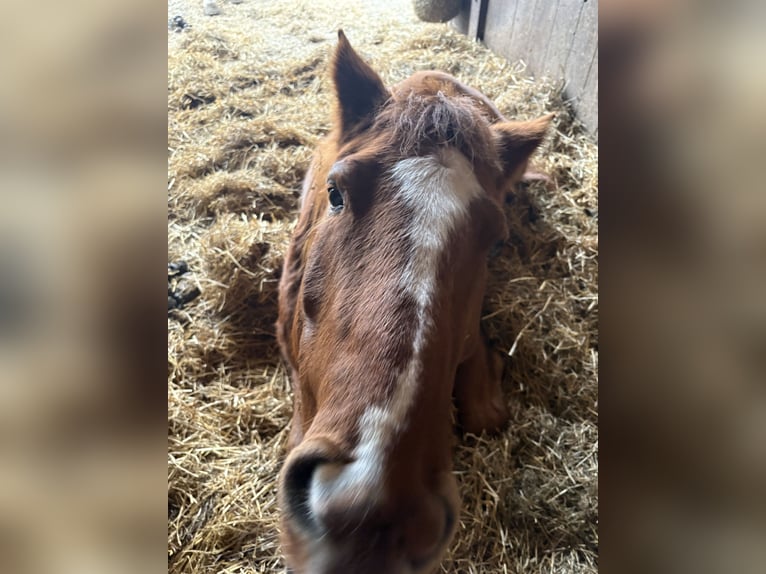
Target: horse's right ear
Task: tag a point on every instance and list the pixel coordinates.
(359, 89)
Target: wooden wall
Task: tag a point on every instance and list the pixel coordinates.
(555, 38)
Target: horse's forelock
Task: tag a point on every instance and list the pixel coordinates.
(419, 124)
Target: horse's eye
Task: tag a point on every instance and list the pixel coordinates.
(336, 197)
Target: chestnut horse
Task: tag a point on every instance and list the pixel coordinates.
(379, 308)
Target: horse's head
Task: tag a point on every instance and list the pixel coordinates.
(379, 307)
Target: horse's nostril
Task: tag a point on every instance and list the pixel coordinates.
(429, 531)
(318, 492)
(296, 484)
(449, 521)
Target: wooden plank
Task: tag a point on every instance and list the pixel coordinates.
(583, 48)
(499, 28)
(563, 30)
(541, 29)
(522, 29)
(587, 103)
(477, 19)
(555, 38)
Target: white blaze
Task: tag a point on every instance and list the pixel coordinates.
(437, 190)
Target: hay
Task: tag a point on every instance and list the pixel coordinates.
(248, 97)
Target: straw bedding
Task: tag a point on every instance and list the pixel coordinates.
(248, 97)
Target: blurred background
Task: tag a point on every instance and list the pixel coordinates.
(683, 283)
(82, 253)
(683, 333)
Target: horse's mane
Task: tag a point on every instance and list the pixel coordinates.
(420, 123)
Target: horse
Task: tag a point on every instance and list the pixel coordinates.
(379, 317)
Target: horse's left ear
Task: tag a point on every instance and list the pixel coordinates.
(359, 89)
(516, 141)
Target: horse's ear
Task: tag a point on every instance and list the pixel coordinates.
(516, 141)
(359, 89)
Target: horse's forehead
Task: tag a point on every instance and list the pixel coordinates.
(427, 83)
(438, 190)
